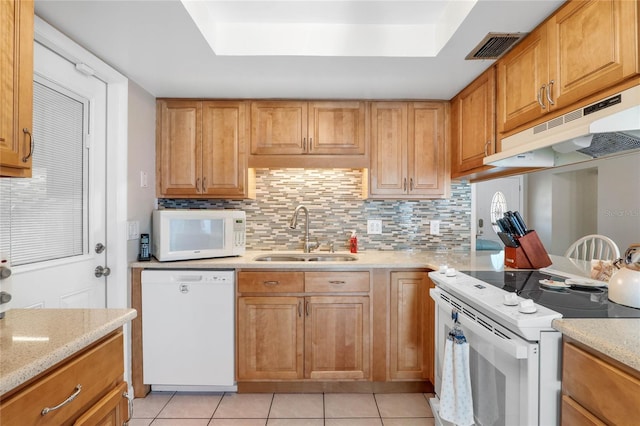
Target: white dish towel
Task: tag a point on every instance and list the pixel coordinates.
(456, 403)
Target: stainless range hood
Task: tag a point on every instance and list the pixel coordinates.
(601, 129)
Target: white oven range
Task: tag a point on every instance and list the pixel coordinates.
(514, 357)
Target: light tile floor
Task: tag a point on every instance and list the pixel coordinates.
(282, 409)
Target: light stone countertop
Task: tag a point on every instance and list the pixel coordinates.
(33, 340)
(461, 260)
(618, 338)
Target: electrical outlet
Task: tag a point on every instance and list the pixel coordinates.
(434, 227)
(374, 226)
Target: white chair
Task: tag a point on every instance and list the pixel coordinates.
(593, 247)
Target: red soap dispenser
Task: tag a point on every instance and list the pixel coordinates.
(353, 242)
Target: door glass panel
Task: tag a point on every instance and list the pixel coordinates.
(44, 218)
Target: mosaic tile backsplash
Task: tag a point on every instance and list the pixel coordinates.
(333, 197)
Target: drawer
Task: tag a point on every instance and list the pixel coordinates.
(574, 414)
(97, 371)
(271, 282)
(607, 392)
(336, 282)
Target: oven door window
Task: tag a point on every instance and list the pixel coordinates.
(504, 388)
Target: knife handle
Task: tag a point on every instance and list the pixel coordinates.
(521, 222)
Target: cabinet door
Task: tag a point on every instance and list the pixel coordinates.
(522, 73)
(409, 353)
(179, 147)
(224, 138)
(16, 81)
(473, 124)
(337, 337)
(111, 410)
(427, 170)
(337, 128)
(270, 338)
(388, 175)
(278, 127)
(592, 46)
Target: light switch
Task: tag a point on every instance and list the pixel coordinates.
(144, 181)
(133, 230)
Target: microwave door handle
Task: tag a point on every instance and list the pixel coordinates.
(511, 348)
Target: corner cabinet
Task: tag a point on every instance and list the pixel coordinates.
(94, 376)
(201, 149)
(302, 326)
(16, 80)
(411, 336)
(583, 48)
(473, 133)
(408, 151)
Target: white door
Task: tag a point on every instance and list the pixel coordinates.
(57, 218)
(483, 195)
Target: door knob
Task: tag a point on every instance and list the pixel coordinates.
(5, 272)
(102, 271)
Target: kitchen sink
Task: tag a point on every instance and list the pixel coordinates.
(307, 257)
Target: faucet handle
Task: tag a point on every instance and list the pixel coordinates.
(311, 246)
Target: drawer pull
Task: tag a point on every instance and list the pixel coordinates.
(273, 282)
(73, 396)
(337, 282)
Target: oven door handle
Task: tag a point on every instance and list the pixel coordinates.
(508, 346)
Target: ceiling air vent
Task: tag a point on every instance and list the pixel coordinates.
(494, 45)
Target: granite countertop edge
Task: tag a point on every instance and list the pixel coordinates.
(617, 338)
(46, 359)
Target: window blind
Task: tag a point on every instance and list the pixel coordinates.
(43, 218)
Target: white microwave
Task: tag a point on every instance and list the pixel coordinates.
(197, 234)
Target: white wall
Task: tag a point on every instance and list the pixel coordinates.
(142, 157)
(559, 205)
(619, 200)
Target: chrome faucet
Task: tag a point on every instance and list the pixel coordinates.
(308, 245)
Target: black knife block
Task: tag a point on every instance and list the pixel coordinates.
(530, 255)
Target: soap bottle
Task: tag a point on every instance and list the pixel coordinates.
(353, 242)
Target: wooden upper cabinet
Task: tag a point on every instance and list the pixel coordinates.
(278, 127)
(593, 45)
(522, 78)
(201, 149)
(224, 141)
(473, 124)
(408, 150)
(583, 48)
(179, 147)
(16, 82)
(337, 128)
(296, 128)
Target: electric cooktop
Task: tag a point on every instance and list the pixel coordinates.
(573, 302)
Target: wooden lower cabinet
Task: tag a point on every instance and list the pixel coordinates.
(293, 338)
(337, 337)
(595, 391)
(94, 375)
(270, 338)
(411, 327)
(298, 326)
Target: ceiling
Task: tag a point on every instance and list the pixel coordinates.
(296, 49)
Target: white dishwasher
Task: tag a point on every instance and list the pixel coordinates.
(188, 323)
